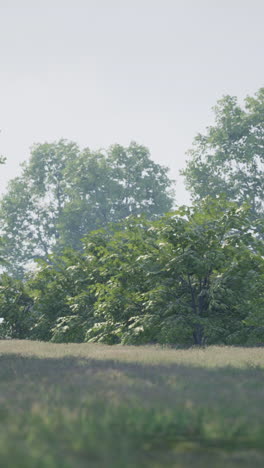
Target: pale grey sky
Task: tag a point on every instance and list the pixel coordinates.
(100, 72)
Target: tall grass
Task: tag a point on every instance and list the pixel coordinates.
(98, 406)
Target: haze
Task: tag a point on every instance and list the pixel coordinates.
(107, 71)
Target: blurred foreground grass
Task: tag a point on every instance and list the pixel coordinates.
(88, 405)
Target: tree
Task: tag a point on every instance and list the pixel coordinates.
(2, 243)
(229, 158)
(64, 192)
(15, 308)
(194, 276)
(188, 280)
(107, 188)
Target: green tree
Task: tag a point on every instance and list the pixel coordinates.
(2, 243)
(15, 308)
(195, 276)
(64, 192)
(104, 189)
(51, 289)
(33, 204)
(186, 279)
(229, 158)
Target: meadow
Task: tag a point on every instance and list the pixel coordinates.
(92, 405)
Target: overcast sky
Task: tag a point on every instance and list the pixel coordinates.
(100, 72)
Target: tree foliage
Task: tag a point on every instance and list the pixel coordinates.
(112, 268)
(194, 276)
(2, 243)
(64, 192)
(229, 158)
(15, 308)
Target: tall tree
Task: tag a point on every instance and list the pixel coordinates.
(192, 277)
(64, 192)
(229, 158)
(2, 249)
(185, 279)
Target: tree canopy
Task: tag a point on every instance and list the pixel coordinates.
(194, 276)
(229, 158)
(2, 243)
(111, 267)
(64, 192)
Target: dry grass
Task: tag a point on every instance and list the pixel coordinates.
(213, 356)
(82, 405)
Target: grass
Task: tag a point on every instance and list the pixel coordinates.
(90, 405)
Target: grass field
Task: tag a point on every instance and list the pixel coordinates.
(87, 405)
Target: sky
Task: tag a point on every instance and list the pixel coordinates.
(100, 72)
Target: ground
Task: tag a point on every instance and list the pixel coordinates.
(91, 405)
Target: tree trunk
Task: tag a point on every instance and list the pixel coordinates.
(198, 334)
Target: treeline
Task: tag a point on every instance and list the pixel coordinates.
(89, 254)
